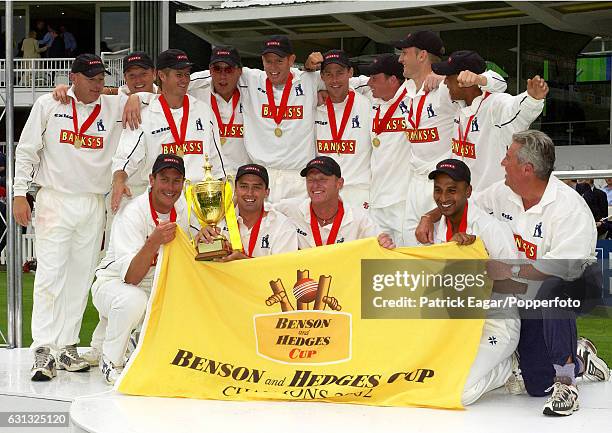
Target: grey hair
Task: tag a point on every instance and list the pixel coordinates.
(538, 149)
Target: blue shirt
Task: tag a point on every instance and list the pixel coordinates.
(608, 190)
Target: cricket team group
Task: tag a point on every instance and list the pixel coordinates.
(423, 148)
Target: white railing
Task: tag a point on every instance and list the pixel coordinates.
(47, 73)
(27, 249)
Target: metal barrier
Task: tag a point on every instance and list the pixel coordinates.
(27, 250)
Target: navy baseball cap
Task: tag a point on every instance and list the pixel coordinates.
(137, 58)
(455, 168)
(460, 61)
(387, 64)
(226, 54)
(324, 164)
(338, 57)
(277, 44)
(168, 160)
(173, 59)
(254, 169)
(89, 65)
(423, 40)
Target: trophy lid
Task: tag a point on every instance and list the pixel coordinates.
(207, 169)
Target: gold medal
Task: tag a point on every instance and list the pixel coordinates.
(179, 151)
(223, 141)
(77, 142)
(278, 132)
(376, 142)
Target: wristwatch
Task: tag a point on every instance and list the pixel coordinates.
(515, 270)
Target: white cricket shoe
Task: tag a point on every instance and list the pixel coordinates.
(595, 368)
(110, 372)
(92, 356)
(44, 365)
(515, 384)
(70, 360)
(563, 400)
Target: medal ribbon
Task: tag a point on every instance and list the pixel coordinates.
(379, 125)
(178, 139)
(279, 112)
(254, 234)
(413, 123)
(215, 108)
(316, 232)
(331, 115)
(463, 140)
(462, 224)
(87, 123)
(156, 217)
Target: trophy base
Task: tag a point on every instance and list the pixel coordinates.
(217, 249)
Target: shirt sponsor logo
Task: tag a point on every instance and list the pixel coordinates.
(422, 135)
(160, 130)
(88, 141)
(234, 131)
(506, 216)
(292, 112)
(339, 147)
(467, 150)
(530, 250)
(190, 147)
(395, 124)
(67, 116)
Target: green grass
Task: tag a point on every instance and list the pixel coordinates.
(597, 327)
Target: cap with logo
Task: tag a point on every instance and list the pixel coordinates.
(168, 160)
(324, 164)
(226, 54)
(254, 169)
(338, 57)
(423, 40)
(277, 44)
(89, 65)
(173, 59)
(387, 64)
(455, 168)
(460, 61)
(137, 58)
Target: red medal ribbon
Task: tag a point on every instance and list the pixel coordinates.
(156, 217)
(87, 123)
(463, 140)
(415, 124)
(380, 125)
(178, 140)
(215, 109)
(462, 224)
(316, 232)
(331, 115)
(279, 112)
(254, 234)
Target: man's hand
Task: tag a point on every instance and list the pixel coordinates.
(313, 62)
(60, 93)
(497, 270)
(321, 97)
(537, 87)
(463, 239)
(22, 211)
(469, 79)
(235, 255)
(131, 113)
(119, 190)
(385, 241)
(164, 232)
(207, 234)
(425, 230)
(432, 82)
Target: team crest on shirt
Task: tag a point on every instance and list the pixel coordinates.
(265, 242)
(537, 232)
(474, 127)
(100, 126)
(298, 90)
(199, 126)
(340, 241)
(403, 107)
(430, 111)
(530, 250)
(355, 122)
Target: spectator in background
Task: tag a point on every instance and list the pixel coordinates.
(69, 41)
(2, 171)
(57, 48)
(594, 197)
(608, 190)
(47, 39)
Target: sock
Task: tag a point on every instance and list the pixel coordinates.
(566, 372)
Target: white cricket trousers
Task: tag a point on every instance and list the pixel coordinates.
(493, 363)
(121, 307)
(286, 184)
(355, 195)
(68, 237)
(419, 201)
(390, 219)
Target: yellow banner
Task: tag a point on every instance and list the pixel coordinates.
(289, 327)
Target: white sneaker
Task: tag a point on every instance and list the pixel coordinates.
(110, 372)
(563, 400)
(44, 365)
(92, 356)
(595, 368)
(132, 343)
(515, 384)
(70, 360)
